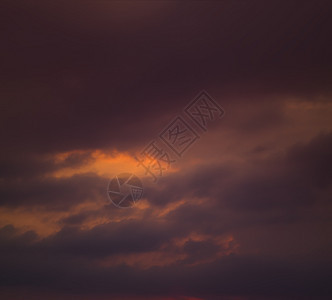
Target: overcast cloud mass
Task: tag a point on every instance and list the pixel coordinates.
(244, 214)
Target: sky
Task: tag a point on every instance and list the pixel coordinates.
(244, 213)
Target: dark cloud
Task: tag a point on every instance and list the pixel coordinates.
(113, 238)
(82, 76)
(200, 250)
(53, 193)
(29, 166)
(68, 85)
(280, 180)
(314, 160)
(79, 219)
(231, 275)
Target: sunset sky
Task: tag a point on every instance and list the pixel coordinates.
(244, 213)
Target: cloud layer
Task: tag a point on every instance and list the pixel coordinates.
(244, 214)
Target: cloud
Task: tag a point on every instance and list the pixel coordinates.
(244, 215)
(29, 166)
(53, 193)
(75, 87)
(230, 275)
